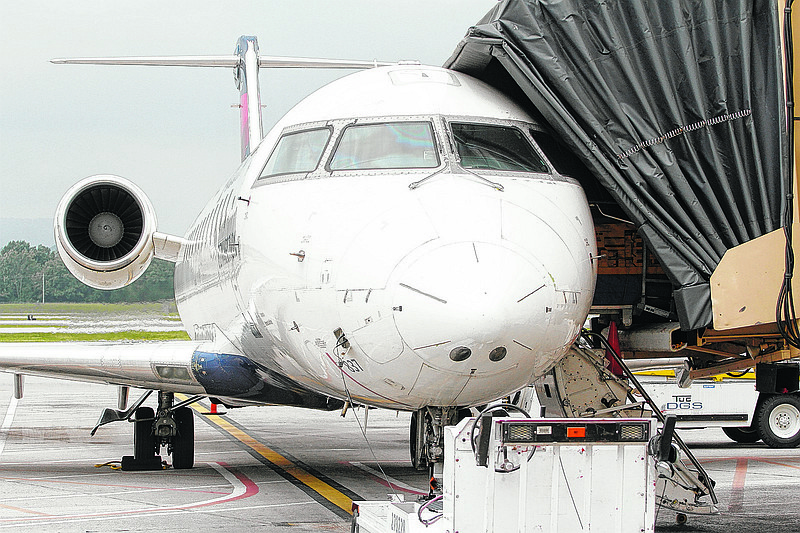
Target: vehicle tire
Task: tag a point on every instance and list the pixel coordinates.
(183, 447)
(779, 421)
(144, 442)
(743, 435)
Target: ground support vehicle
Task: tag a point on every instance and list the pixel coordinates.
(528, 474)
(732, 404)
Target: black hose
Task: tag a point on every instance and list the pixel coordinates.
(785, 316)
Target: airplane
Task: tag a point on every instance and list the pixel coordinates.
(398, 240)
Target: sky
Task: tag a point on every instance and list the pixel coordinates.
(173, 131)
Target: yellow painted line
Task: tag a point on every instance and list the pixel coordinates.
(319, 486)
(666, 373)
(719, 377)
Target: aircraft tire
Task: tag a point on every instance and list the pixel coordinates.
(417, 457)
(144, 442)
(779, 421)
(183, 447)
(743, 435)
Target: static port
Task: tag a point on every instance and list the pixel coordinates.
(497, 354)
(460, 353)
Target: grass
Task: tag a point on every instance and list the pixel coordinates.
(91, 311)
(133, 335)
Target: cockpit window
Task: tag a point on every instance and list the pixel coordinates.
(387, 145)
(297, 152)
(490, 147)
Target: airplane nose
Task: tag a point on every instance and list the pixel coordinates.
(473, 304)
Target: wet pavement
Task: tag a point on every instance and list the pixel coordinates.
(283, 469)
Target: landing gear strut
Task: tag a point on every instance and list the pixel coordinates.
(171, 426)
(427, 439)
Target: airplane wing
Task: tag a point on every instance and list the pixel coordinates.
(193, 367)
(165, 365)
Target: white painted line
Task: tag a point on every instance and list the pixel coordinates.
(395, 482)
(240, 490)
(58, 520)
(7, 421)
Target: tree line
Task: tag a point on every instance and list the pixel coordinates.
(25, 268)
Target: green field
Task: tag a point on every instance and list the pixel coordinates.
(83, 337)
(18, 313)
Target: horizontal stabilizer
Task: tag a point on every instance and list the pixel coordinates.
(158, 61)
(310, 62)
(245, 62)
(229, 61)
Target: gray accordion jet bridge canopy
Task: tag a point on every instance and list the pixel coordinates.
(677, 110)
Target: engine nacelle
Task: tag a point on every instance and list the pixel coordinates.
(104, 229)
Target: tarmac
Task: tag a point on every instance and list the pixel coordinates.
(283, 469)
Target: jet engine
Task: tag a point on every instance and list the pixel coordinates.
(104, 228)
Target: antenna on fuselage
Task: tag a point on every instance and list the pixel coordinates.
(245, 62)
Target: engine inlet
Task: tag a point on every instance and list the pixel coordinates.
(104, 222)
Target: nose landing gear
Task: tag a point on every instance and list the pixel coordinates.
(427, 440)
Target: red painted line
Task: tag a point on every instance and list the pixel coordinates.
(776, 463)
(393, 484)
(250, 489)
(21, 510)
(780, 460)
(109, 485)
(737, 491)
(398, 488)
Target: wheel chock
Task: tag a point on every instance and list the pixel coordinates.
(129, 462)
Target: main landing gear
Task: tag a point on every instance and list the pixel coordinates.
(170, 426)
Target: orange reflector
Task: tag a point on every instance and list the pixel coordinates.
(576, 432)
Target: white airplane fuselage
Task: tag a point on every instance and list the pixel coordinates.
(437, 284)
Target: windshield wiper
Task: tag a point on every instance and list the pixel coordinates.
(447, 167)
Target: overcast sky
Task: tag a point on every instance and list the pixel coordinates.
(172, 130)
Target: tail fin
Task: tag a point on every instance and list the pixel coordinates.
(246, 76)
(245, 62)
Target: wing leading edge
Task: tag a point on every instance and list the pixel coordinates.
(189, 367)
(150, 365)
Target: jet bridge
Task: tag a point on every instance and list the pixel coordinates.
(677, 113)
